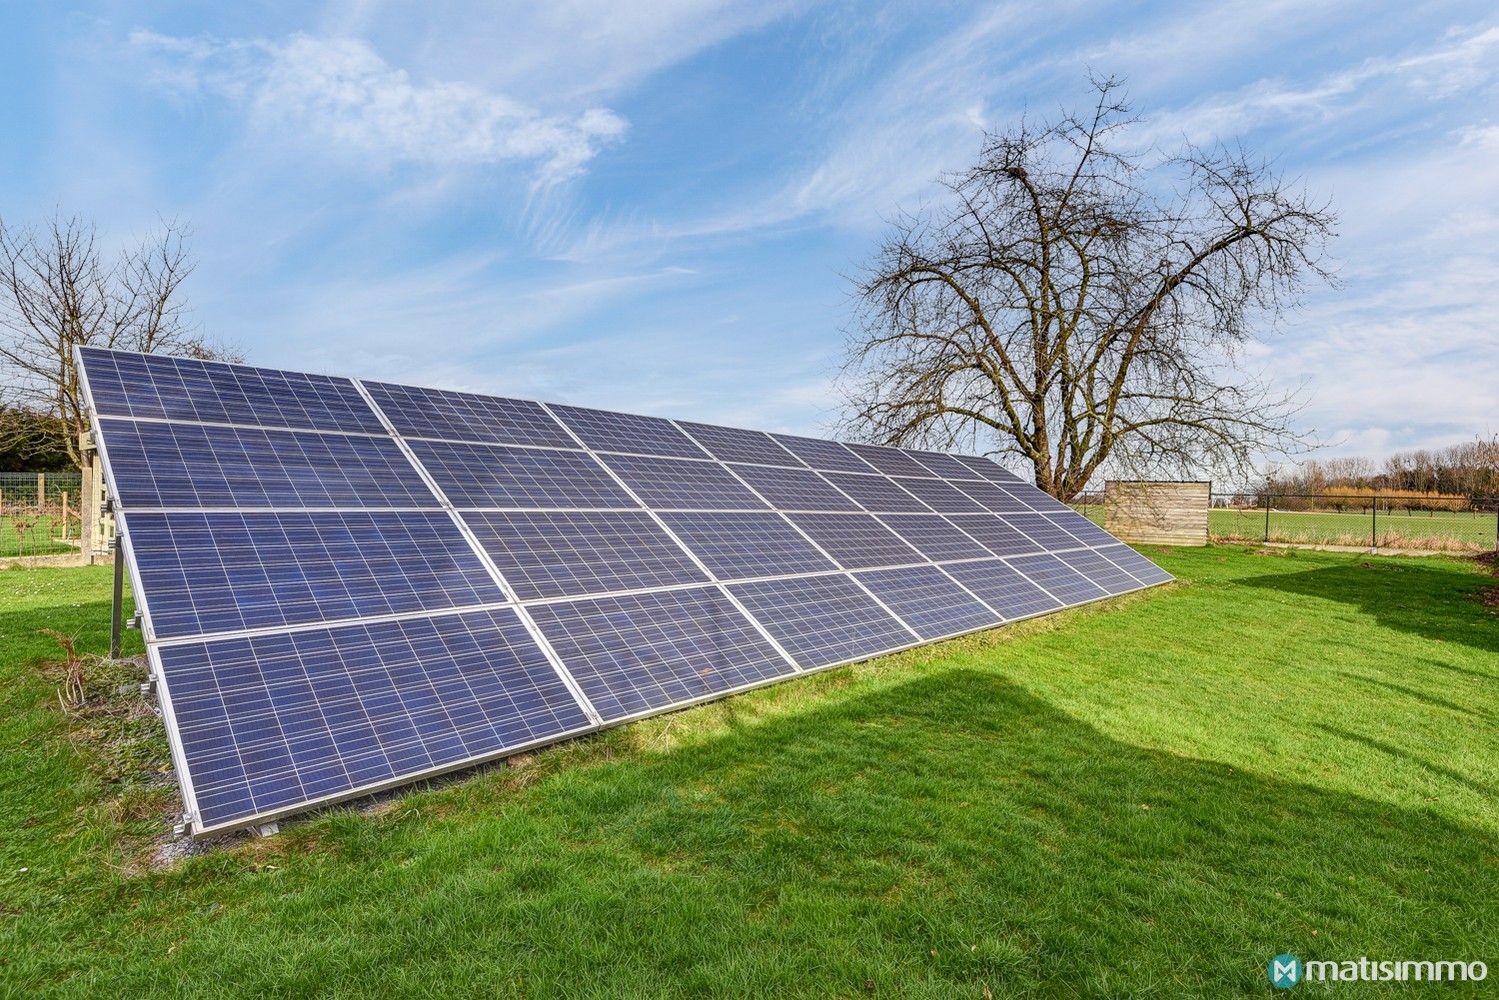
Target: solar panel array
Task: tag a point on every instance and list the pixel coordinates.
(346, 585)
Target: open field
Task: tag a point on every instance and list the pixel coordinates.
(1284, 752)
(1434, 530)
(1440, 530)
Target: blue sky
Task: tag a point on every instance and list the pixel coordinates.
(655, 206)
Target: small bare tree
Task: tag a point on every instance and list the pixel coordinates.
(58, 290)
(1080, 304)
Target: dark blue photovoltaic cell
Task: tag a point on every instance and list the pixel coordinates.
(1136, 565)
(994, 497)
(1077, 525)
(1057, 578)
(160, 387)
(480, 475)
(824, 455)
(934, 537)
(1037, 499)
(465, 416)
(224, 571)
(567, 553)
(626, 432)
(822, 619)
(632, 654)
(988, 469)
(192, 465)
(994, 534)
(928, 600)
(879, 494)
(890, 461)
(943, 465)
(794, 489)
(856, 541)
(730, 444)
(677, 484)
(745, 544)
(1098, 569)
(1044, 532)
(1001, 586)
(736, 545)
(941, 497)
(277, 722)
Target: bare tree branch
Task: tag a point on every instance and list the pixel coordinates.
(58, 290)
(1062, 309)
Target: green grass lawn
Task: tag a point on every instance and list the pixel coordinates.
(1290, 752)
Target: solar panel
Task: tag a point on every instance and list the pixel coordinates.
(1057, 578)
(481, 475)
(1136, 565)
(635, 653)
(879, 494)
(890, 461)
(988, 469)
(943, 465)
(995, 534)
(677, 484)
(822, 620)
(1100, 571)
(934, 536)
(945, 498)
(1000, 585)
(856, 541)
(196, 465)
(1043, 531)
(928, 600)
(147, 386)
(572, 553)
(993, 497)
(738, 546)
(227, 571)
(730, 444)
(1081, 528)
(465, 416)
(819, 454)
(345, 585)
(624, 432)
(282, 721)
(794, 489)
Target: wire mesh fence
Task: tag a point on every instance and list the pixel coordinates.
(39, 513)
(1431, 522)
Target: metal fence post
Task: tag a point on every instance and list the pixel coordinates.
(1374, 523)
(1267, 515)
(117, 612)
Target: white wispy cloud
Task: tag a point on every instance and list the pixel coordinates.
(340, 93)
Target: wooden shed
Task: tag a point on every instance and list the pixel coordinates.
(1158, 513)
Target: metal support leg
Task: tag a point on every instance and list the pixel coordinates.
(117, 612)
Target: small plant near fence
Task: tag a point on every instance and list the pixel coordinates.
(39, 513)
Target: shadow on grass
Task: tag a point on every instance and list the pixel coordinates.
(929, 839)
(1430, 599)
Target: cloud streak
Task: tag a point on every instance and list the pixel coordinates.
(340, 94)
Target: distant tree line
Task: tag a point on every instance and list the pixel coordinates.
(1467, 469)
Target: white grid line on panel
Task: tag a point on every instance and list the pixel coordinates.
(684, 547)
(483, 556)
(829, 556)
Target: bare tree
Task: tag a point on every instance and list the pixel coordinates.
(59, 289)
(1078, 301)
